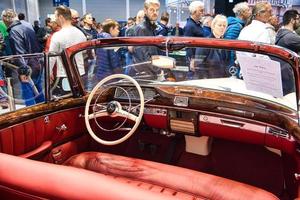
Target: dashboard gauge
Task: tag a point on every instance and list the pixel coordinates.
(181, 101)
(133, 94)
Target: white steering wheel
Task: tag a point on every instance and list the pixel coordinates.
(113, 109)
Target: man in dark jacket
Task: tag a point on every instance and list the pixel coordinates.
(177, 30)
(23, 40)
(286, 36)
(44, 33)
(193, 26)
(147, 28)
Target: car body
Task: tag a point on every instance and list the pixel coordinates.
(222, 124)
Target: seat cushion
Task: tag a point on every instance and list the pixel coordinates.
(25, 179)
(179, 181)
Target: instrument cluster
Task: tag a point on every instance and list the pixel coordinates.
(125, 93)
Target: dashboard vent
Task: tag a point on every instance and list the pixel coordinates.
(182, 126)
(278, 132)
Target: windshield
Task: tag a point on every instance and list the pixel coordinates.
(256, 75)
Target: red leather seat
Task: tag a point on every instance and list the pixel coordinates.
(168, 180)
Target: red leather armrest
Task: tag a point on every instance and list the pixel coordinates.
(38, 151)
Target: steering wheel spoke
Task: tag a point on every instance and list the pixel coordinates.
(101, 113)
(99, 107)
(128, 115)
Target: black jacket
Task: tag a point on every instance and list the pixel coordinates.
(143, 53)
(212, 63)
(180, 31)
(161, 29)
(288, 39)
(23, 39)
(192, 29)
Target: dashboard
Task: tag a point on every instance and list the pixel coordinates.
(196, 113)
(200, 123)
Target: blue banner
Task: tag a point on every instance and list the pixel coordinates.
(61, 2)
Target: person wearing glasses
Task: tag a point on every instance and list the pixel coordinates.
(257, 31)
(286, 36)
(67, 36)
(147, 28)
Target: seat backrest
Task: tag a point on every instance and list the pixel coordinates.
(180, 179)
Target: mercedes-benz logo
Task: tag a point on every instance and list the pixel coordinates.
(233, 70)
(111, 107)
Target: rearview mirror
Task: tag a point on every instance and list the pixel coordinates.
(163, 62)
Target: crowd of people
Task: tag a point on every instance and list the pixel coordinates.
(17, 37)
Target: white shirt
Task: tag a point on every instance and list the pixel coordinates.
(272, 32)
(62, 39)
(256, 32)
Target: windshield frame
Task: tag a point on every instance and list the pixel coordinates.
(169, 42)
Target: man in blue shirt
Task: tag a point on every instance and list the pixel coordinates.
(193, 27)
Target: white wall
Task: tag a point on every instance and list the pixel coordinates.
(32, 8)
(21, 7)
(5, 4)
(101, 9)
(115, 9)
(31, 12)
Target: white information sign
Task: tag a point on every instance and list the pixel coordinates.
(261, 75)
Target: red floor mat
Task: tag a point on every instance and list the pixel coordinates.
(248, 163)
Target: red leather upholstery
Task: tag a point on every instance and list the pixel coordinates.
(187, 183)
(22, 178)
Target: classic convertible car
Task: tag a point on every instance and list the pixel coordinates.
(152, 118)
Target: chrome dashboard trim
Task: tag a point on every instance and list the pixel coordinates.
(233, 123)
(155, 111)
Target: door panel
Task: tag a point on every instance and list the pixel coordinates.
(34, 136)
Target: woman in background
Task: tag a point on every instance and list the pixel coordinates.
(212, 63)
(107, 61)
